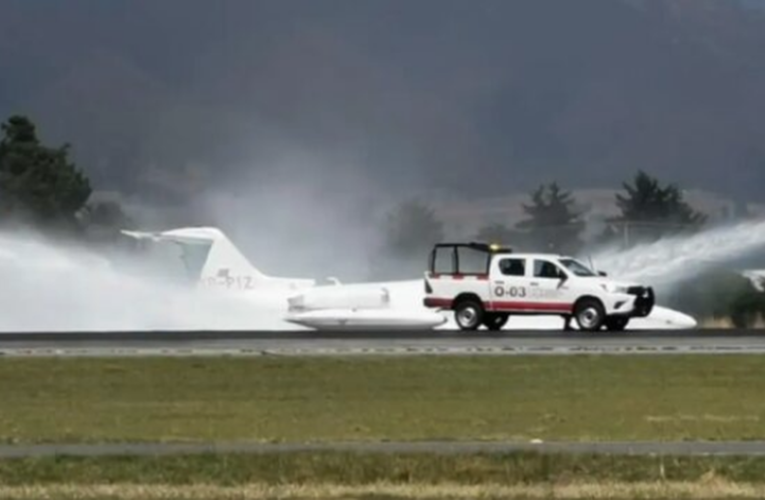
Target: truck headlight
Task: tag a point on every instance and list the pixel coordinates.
(613, 288)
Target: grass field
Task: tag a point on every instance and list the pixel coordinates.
(412, 398)
(370, 476)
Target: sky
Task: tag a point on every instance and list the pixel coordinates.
(288, 112)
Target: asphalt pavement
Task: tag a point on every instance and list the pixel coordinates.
(395, 342)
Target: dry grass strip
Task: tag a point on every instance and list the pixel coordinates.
(611, 490)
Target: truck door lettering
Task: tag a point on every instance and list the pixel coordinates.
(513, 291)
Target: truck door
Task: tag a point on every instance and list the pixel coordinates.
(509, 284)
(549, 288)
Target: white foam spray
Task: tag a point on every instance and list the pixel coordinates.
(52, 287)
(48, 287)
(669, 261)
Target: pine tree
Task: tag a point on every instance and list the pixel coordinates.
(650, 211)
(553, 223)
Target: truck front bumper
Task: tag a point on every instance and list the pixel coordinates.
(638, 302)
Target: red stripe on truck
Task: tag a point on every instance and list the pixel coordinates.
(437, 302)
(505, 305)
(502, 305)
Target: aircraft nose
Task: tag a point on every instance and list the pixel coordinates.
(680, 320)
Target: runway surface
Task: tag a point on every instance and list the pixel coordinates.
(685, 448)
(440, 342)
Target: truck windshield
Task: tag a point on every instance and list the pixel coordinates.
(577, 267)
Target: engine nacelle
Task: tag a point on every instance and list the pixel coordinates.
(340, 297)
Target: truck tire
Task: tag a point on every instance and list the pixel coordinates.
(590, 315)
(616, 323)
(468, 314)
(495, 321)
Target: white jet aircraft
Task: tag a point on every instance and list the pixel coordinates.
(215, 263)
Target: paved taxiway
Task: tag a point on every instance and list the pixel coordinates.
(718, 448)
(242, 343)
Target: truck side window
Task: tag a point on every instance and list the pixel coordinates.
(444, 261)
(546, 269)
(512, 267)
(472, 261)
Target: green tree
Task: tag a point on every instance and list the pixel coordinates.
(38, 184)
(553, 223)
(650, 211)
(411, 229)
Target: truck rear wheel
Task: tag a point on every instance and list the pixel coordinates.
(590, 315)
(468, 314)
(495, 321)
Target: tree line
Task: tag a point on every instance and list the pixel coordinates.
(649, 210)
(40, 187)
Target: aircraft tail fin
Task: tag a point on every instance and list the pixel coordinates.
(215, 262)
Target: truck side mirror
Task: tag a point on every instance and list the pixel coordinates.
(562, 278)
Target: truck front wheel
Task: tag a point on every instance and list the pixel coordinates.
(617, 323)
(468, 314)
(590, 315)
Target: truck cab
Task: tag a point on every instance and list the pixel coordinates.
(484, 284)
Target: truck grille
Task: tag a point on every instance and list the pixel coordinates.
(645, 299)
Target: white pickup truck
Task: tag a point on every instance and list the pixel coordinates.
(484, 284)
